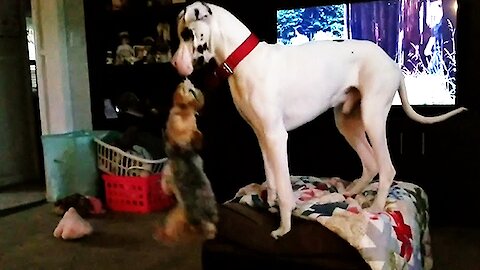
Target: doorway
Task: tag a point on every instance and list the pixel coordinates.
(21, 166)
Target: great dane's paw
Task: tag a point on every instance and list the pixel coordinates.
(279, 233)
(348, 194)
(374, 209)
(271, 197)
(356, 187)
(273, 210)
(377, 206)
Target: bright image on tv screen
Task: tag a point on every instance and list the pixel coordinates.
(418, 34)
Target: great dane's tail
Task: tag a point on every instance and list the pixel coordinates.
(402, 91)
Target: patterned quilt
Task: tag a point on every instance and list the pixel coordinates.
(397, 238)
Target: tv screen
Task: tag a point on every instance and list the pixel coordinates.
(418, 34)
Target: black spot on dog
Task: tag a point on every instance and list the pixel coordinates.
(208, 8)
(202, 48)
(197, 13)
(352, 52)
(200, 60)
(187, 34)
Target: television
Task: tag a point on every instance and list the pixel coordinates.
(420, 35)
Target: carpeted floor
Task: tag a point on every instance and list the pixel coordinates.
(120, 241)
(123, 241)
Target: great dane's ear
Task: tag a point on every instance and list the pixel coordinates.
(181, 15)
(197, 11)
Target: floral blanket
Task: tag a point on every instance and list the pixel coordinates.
(397, 238)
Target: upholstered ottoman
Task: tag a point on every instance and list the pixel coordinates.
(329, 231)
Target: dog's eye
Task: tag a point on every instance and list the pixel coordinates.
(193, 93)
(187, 34)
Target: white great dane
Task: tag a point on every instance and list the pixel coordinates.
(278, 88)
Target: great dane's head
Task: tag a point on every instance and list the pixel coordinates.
(194, 33)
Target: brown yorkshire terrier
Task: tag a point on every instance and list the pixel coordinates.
(181, 130)
(194, 216)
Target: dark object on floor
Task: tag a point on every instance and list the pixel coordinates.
(244, 242)
(79, 202)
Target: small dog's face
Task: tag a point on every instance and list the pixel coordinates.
(186, 96)
(182, 128)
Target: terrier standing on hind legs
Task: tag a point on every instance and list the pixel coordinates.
(194, 216)
(278, 88)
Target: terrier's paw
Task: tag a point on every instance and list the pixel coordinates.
(159, 235)
(209, 230)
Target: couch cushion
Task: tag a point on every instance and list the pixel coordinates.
(251, 227)
(392, 238)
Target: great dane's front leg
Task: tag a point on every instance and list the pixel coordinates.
(275, 145)
(271, 187)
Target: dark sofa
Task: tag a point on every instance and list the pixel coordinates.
(244, 242)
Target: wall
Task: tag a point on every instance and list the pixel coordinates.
(77, 64)
(62, 65)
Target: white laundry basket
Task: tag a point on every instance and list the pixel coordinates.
(114, 161)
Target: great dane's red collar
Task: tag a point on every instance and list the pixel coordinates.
(226, 68)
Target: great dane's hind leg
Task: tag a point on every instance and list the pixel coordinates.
(351, 127)
(275, 144)
(374, 115)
